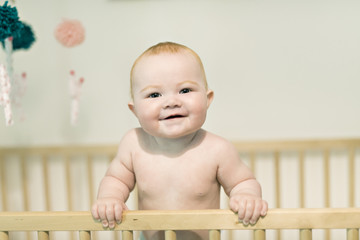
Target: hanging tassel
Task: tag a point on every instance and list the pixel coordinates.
(5, 95)
(75, 86)
(9, 59)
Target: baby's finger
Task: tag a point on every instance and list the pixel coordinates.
(256, 212)
(118, 213)
(102, 212)
(264, 208)
(102, 215)
(234, 205)
(249, 210)
(94, 212)
(110, 216)
(242, 210)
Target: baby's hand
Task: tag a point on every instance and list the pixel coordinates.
(248, 207)
(108, 211)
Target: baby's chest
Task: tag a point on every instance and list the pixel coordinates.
(188, 177)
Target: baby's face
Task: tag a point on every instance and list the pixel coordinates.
(170, 98)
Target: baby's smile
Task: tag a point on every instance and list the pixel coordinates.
(174, 116)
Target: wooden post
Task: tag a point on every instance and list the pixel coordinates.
(127, 235)
(43, 235)
(46, 183)
(24, 182)
(305, 234)
(302, 179)
(4, 236)
(327, 185)
(277, 186)
(170, 235)
(352, 234)
(85, 235)
(352, 177)
(259, 234)
(68, 187)
(90, 178)
(3, 184)
(214, 234)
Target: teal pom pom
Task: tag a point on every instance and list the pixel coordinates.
(9, 21)
(24, 39)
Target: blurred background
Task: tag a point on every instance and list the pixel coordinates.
(279, 69)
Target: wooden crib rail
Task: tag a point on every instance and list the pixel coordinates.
(298, 145)
(63, 150)
(213, 220)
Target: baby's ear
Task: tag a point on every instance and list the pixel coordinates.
(210, 97)
(131, 106)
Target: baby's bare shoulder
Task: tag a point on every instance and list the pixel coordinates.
(218, 143)
(131, 137)
(128, 144)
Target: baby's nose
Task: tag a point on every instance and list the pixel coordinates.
(172, 102)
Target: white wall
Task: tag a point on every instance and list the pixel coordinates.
(279, 69)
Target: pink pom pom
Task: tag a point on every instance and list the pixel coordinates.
(70, 33)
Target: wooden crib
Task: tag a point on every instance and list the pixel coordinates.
(309, 185)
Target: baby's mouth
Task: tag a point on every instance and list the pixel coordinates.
(173, 117)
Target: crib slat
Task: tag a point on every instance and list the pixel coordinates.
(327, 185)
(277, 185)
(116, 236)
(127, 235)
(46, 183)
(214, 234)
(43, 235)
(85, 235)
(24, 176)
(302, 179)
(352, 234)
(326, 178)
(259, 234)
(3, 184)
(24, 182)
(90, 179)
(68, 187)
(277, 179)
(305, 234)
(68, 182)
(4, 236)
(170, 235)
(352, 177)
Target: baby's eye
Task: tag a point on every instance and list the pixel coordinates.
(185, 90)
(154, 95)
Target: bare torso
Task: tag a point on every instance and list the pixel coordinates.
(186, 180)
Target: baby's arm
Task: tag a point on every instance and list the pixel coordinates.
(245, 199)
(241, 186)
(114, 190)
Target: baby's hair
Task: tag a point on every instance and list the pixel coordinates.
(166, 47)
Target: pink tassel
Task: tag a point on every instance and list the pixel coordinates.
(75, 87)
(5, 95)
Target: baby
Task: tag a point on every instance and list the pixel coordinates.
(174, 162)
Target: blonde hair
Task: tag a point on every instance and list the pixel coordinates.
(166, 47)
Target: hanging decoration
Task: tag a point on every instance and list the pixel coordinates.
(75, 91)
(5, 95)
(23, 39)
(9, 20)
(71, 33)
(14, 35)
